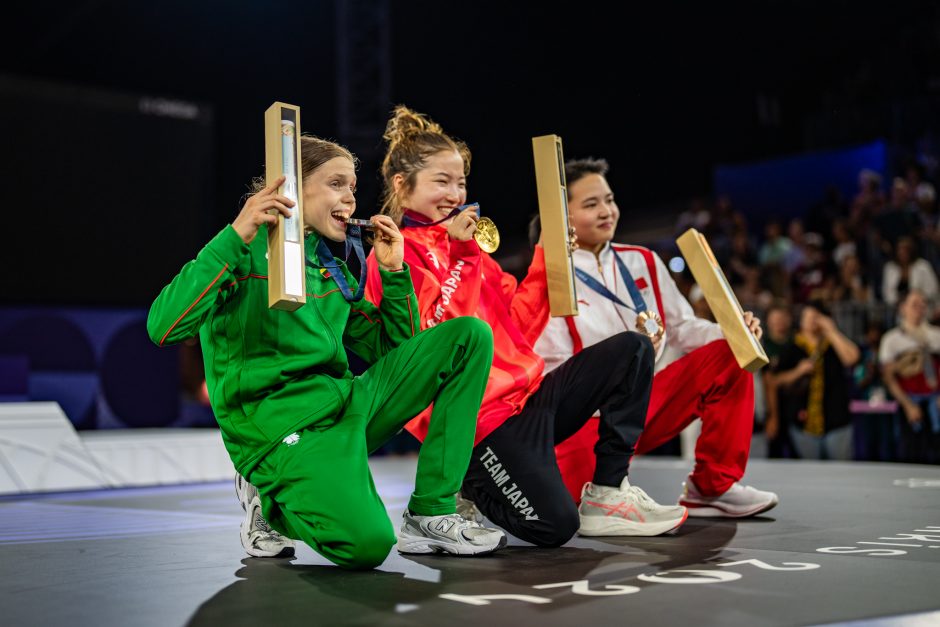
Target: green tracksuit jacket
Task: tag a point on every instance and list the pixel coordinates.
(270, 373)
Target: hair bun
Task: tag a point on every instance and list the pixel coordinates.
(406, 122)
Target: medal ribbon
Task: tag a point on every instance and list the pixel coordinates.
(353, 242)
(409, 221)
(600, 288)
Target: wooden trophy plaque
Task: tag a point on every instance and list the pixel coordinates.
(553, 213)
(286, 271)
(724, 304)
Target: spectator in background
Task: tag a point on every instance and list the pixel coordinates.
(926, 198)
(909, 356)
(874, 439)
(827, 211)
(697, 216)
(913, 175)
(850, 284)
(908, 272)
(810, 276)
(843, 242)
(868, 202)
(776, 248)
(779, 334)
(900, 219)
(742, 259)
(813, 387)
(723, 226)
(752, 292)
(699, 305)
(797, 235)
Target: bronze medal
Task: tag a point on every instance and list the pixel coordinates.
(650, 324)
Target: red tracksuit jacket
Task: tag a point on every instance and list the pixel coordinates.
(453, 278)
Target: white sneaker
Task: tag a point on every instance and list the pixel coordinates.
(450, 533)
(257, 536)
(625, 511)
(738, 502)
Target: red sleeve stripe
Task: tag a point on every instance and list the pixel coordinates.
(325, 294)
(411, 318)
(188, 309)
(244, 278)
(363, 314)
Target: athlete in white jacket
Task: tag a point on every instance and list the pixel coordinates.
(696, 376)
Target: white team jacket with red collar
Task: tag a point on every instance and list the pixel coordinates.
(600, 317)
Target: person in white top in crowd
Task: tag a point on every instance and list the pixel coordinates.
(910, 361)
(696, 375)
(909, 272)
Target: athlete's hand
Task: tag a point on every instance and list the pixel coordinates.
(257, 208)
(656, 342)
(388, 243)
(753, 324)
(464, 225)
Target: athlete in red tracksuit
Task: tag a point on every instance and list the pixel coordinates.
(696, 374)
(513, 476)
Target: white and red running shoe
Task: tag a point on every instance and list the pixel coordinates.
(625, 511)
(737, 502)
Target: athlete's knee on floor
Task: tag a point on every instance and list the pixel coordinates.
(553, 531)
(360, 544)
(365, 546)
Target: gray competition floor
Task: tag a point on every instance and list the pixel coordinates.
(849, 542)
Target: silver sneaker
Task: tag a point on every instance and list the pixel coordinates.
(449, 533)
(625, 511)
(257, 536)
(738, 502)
(468, 509)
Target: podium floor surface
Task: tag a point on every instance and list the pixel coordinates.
(849, 543)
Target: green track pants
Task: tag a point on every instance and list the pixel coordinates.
(317, 486)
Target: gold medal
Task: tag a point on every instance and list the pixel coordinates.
(486, 235)
(650, 324)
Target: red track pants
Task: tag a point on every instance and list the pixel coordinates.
(706, 383)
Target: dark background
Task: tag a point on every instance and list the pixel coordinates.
(130, 131)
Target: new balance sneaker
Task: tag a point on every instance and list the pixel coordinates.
(257, 536)
(450, 533)
(738, 502)
(625, 511)
(468, 509)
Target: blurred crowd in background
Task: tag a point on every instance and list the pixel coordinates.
(849, 294)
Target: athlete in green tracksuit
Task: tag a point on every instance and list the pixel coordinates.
(296, 423)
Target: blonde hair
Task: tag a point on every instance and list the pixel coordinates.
(314, 152)
(412, 137)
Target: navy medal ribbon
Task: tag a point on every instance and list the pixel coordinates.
(409, 221)
(353, 242)
(644, 315)
(638, 301)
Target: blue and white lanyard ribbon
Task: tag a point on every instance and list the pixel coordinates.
(635, 295)
(353, 242)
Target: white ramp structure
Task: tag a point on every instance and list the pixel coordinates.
(40, 451)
